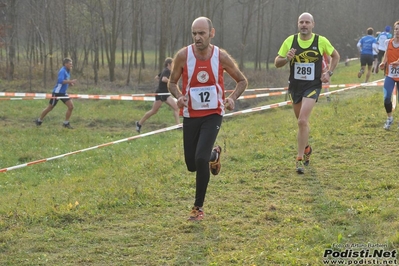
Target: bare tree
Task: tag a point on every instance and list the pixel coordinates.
(111, 30)
(270, 27)
(249, 11)
(65, 35)
(259, 35)
(94, 22)
(11, 33)
(163, 33)
(50, 41)
(135, 11)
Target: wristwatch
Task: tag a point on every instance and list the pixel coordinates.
(330, 73)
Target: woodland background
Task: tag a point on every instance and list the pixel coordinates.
(115, 41)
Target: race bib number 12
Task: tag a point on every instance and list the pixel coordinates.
(204, 98)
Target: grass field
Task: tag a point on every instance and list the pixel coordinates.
(127, 203)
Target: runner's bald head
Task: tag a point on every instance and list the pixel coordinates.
(201, 19)
(307, 16)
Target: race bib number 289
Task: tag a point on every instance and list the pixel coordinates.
(304, 71)
(204, 98)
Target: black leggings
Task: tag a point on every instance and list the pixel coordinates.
(199, 136)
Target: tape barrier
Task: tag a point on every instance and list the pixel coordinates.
(142, 98)
(261, 95)
(151, 96)
(368, 84)
(92, 148)
(23, 98)
(120, 98)
(275, 105)
(36, 96)
(251, 110)
(324, 86)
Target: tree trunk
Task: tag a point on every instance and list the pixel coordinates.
(110, 38)
(133, 39)
(11, 39)
(163, 40)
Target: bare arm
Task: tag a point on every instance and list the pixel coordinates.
(177, 70)
(69, 81)
(334, 60)
(165, 79)
(280, 61)
(325, 77)
(384, 58)
(230, 66)
(375, 47)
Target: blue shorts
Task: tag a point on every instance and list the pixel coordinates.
(366, 59)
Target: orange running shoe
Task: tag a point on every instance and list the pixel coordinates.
(306, 155)
(196, 214)
(214, 163)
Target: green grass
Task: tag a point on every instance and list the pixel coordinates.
(127, 203)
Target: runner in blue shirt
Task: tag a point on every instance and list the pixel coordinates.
(60, 90)
(366, 45)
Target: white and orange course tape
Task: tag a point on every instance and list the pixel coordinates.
(36, 96)
(251, 110)
(84, 96)
(92, 148)
(139, 98)
(40, 96)
(151, 96)
(270, 106)
(120, 98)
(21, 99)
(368, 84)
(374, 83)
